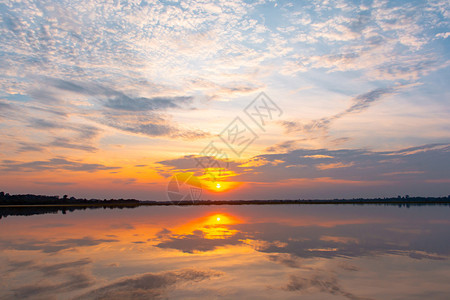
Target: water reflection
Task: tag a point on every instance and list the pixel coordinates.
(230, 252)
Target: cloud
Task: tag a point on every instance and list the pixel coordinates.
(113, 98)
(59, 268)
(329, 174)
(30, 147)
(149, 124)
(288, 260)
(19, 265)
(408, 68)
(354, 238)
(284, 146)
(138, 115)
(122, 226)
(149, 285)
(57, 278)
(196, 164)
(291, 245)
(443, 35)
(84, 88)
(321, 126)
(104, 75)
(146, 104)
(84, 136)
(42, 124)
(318, 156)
(356, 165)
(334, 166)
(362, 102)
(197, 241)
(54, 183)
(218, 90)
(53, 225)
(52, 164)
(61, 142)
(381, 40)
(65, 135)
(74, 282)
(53, 246)
(326, 283)
(403, 173)
(5, 106)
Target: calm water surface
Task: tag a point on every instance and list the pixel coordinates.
(228, 252)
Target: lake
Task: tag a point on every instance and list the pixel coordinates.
(228, 252)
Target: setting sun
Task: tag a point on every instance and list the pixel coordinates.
(218, 187)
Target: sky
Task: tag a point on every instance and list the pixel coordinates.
(256, 99)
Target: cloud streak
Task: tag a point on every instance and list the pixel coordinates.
(359, 104)
(149, 285)
(322, 283)
(53, 246)
(52, 164)
(62, 277)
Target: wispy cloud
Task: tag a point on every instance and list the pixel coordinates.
(52, 164)
(145, 104)
(321, 126)
(61, 277)
(53, 246)
(149, 285)
(326, 283)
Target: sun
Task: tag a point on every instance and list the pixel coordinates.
(219, 186)
(218, 219)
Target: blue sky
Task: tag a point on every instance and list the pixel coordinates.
(104, 91)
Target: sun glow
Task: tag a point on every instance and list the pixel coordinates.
(212, 226)
(216, 180)
(219, 187)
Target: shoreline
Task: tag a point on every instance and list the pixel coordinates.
(233, 202)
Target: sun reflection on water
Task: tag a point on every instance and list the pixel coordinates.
(213, 226)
